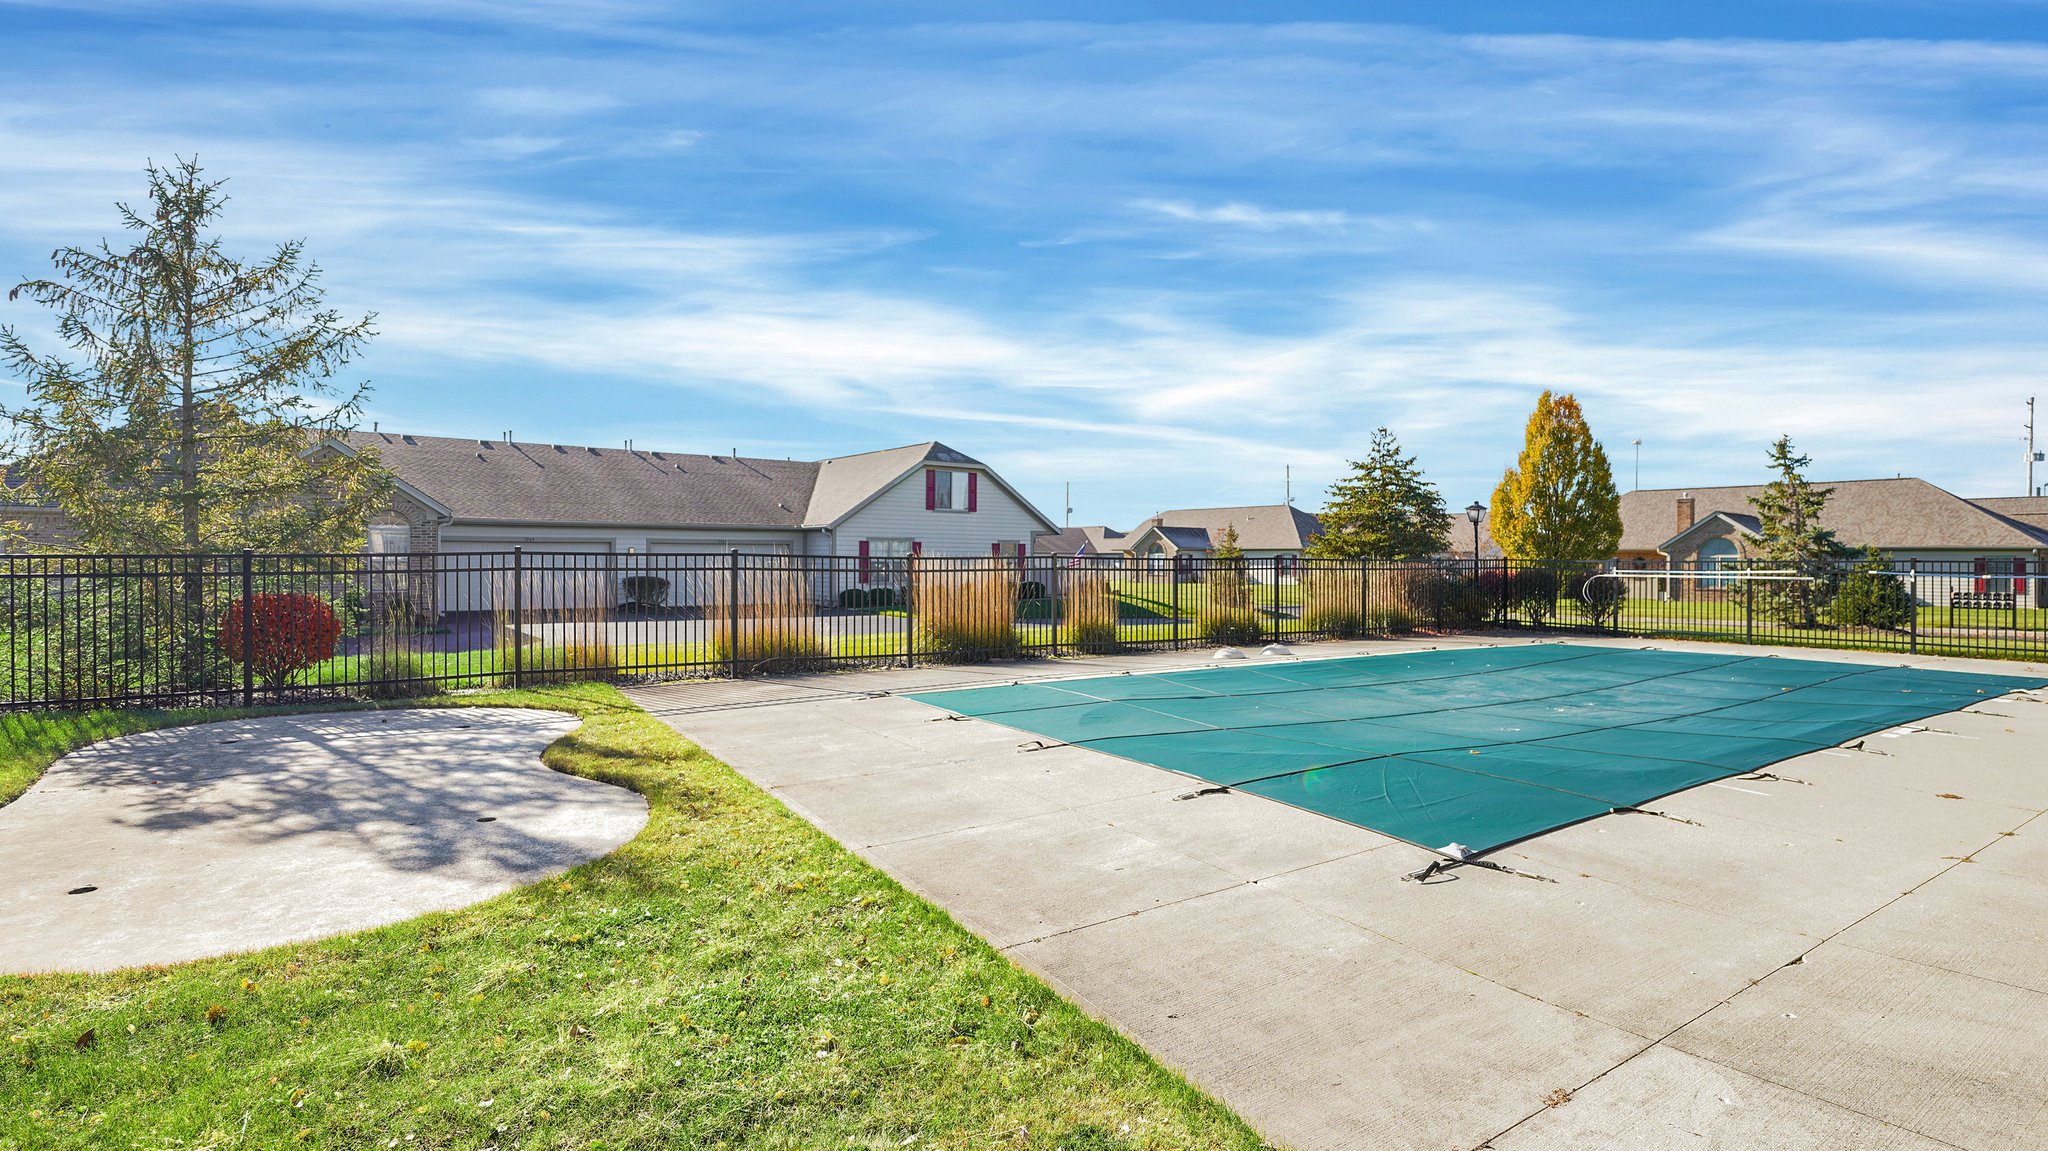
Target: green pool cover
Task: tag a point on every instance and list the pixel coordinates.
(1480, 747)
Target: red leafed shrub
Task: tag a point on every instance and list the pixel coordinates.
(291, 632)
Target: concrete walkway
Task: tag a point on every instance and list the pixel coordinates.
(225, 837)
(1851, 955)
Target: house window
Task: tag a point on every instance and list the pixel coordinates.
(1717, 555)
(390, 539)
(950, 490)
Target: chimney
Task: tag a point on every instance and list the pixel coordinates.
(1685, 511)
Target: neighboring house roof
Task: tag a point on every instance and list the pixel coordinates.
(1716, 524)
(1263, 527)
(2029, 511)
(1096, 538)
(495, 481)
(1892, 514)
(1458, 537)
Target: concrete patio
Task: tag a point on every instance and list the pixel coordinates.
(1849, 954)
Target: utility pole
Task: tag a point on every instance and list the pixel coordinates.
(1069, 520)
(1290, 482)
(1639, 465)
(2032, 455)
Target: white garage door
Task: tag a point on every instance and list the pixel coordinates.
(476, 574)
(697, 570)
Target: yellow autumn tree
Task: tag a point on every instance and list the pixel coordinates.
(1559, 501)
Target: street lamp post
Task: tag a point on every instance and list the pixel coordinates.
(1475, 513)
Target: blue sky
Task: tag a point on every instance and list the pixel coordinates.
(1162, 252)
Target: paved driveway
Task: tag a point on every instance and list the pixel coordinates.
(1848, 955)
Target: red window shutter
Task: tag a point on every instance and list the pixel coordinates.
(973, 490)
(1980, 575)
(916, 548)
(995, 549)
(867, 567)
(931, 489)
(2019, 576)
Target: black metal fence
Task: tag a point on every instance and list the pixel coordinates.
(100, 630)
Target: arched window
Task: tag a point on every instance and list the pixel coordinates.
(1714, 555)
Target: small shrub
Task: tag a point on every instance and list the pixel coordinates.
(289, 632)
(1601, 596)
(855, 599)
(1090, 624)
(965, 614)
(1870, 597)
(1532, 591)
(1456, 600)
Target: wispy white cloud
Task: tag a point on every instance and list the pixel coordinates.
(1239, 214)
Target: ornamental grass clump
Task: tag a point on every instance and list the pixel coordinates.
(1333, 600)
(1089, 623)
(563, 634)
(964, 612)
(771, 627)
(1226, 615)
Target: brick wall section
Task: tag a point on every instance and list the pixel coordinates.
(414, 579)
(42, 529)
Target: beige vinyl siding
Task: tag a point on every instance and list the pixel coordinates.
(899, 513)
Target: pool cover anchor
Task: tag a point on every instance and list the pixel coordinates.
(1768, 777)
(1202, 791)
(1658, 814)
(1458, 855)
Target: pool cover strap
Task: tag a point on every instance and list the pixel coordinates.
(1478, 746)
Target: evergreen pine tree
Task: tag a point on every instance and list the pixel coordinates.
(200, 383)
(1793, 541)
(1383, 510)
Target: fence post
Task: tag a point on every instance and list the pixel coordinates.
(1278, 636)
(732, 614)
(518, 614)
(1749, 605)
(1173, 582)
(248, 628)
(1913, 606)
(1364, 596)
(910, 610)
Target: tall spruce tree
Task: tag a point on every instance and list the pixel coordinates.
(1793, 541)
(1559, 501)
(198, 385)
(1383, 510)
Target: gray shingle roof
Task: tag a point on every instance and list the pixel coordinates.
(1262, 527)
(1069, 541)
(1896, 513)
(494, 481)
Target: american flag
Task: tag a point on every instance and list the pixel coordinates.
(1074, 560)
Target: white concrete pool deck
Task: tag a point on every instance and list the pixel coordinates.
(1854, 955)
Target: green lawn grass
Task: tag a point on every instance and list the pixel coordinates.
(732, 978)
